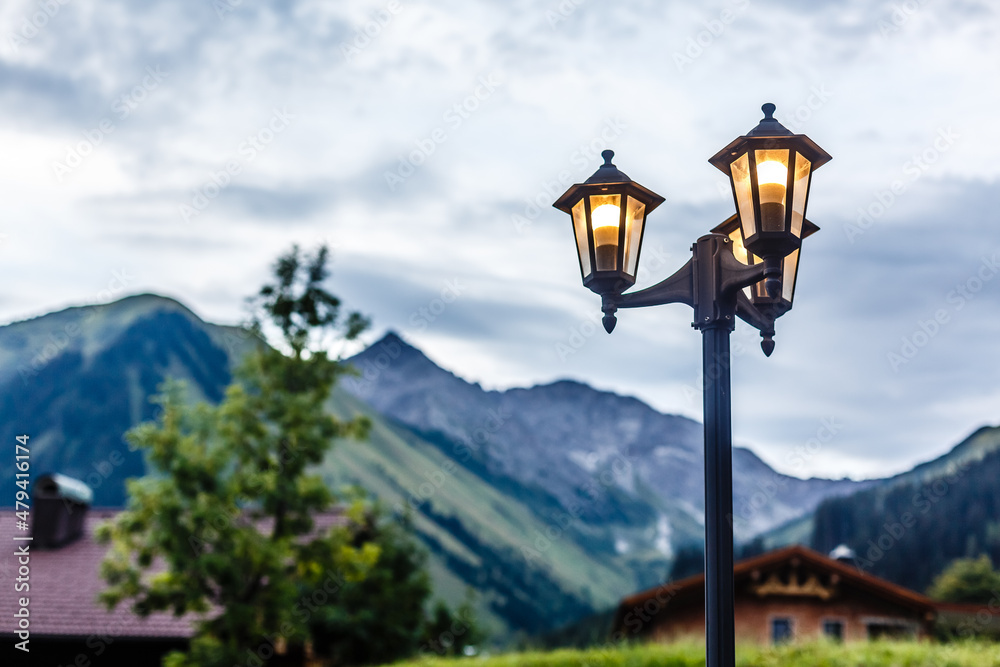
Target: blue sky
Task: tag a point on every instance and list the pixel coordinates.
(179, 147)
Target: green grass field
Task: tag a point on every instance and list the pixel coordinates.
(873, 654)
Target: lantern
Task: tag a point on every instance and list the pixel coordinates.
(777, 306)
(609, 216)
(769, 169)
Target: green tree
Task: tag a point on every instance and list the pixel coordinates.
(971, 580)
(228, 509)
(450, 632)
(378, 619)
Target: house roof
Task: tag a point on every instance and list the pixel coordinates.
(64, 584)
(694, 586)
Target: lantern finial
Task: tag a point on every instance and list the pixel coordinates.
(767, 344)
(607, 155)
(768, 110)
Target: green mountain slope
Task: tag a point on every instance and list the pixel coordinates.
(541, 523)
(76, 380)
(910, 527)
(530, 576)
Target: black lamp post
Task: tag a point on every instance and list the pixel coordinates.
(746, 268)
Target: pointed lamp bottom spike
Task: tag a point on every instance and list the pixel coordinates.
(767, 344)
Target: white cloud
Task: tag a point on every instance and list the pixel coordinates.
(873, 100)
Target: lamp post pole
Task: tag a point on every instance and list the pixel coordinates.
(719, 604)
(758, 248)
(712, 284)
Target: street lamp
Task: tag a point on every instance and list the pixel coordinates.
(770, 307)
(746, 268)
(609, 214)
(769, 170)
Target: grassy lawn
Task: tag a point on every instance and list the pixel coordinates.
(874, 654)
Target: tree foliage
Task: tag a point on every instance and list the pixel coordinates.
(968, 580)
(224, 526)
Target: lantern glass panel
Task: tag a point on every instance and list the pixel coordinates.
(788, 268)
(740, 252)
(605, 216)
(800, 188)
(772, 183)
(635, 215)
(760, 292)
(740, 169)
(580, 229)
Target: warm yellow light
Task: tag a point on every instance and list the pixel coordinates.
(772, 171)
(606, 219)
(772, 177)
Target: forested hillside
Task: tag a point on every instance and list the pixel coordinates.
(909, 529)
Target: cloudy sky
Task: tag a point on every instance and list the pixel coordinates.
(179, 147)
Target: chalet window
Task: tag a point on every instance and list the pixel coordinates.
(833, 630)
(781, 630)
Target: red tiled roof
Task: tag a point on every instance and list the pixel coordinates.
(64, 584)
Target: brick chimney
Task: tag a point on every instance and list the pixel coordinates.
(60, 505)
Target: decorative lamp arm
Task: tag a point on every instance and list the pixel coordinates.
(678, 288)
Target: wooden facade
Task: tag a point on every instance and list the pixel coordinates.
(785, 595)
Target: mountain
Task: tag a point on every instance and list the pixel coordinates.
(612, 459)
(74, 381)
(552, 502)
(945, 509)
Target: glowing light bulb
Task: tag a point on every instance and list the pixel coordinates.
(606, 218)
(772, 177)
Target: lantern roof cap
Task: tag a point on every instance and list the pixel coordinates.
(769, 131)
(607, 172)
(768, 126)
(607, 177)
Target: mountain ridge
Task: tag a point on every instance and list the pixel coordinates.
(553, 500)
(515, 431)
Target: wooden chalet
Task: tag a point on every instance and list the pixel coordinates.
(785, 595)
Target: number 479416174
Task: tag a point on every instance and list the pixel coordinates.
(23, 464)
